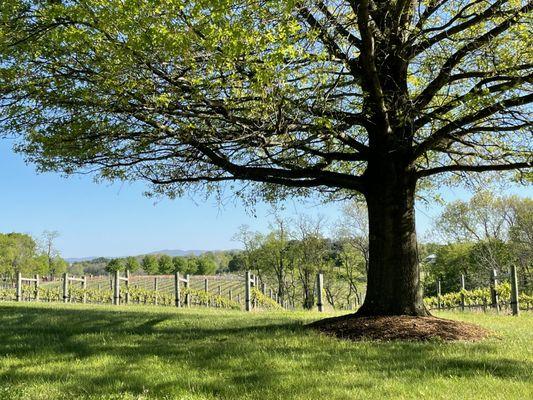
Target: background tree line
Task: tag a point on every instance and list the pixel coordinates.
(476, 236)
(162, 264)
(472, 237)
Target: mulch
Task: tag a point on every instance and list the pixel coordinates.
(387, 328)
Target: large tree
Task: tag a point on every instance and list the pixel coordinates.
(330, 97)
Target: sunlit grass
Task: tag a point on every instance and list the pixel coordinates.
(103, 352)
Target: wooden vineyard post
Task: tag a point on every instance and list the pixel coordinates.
(116, 291)
(36, 287)
(239, 298)
(19, 287)
(255, 284)
(270, 293)
(156, 286)
(128, 276)
(84, 288)
(247, 291)
(188, 286)
(206, 290)
(493, 290)
(65, 287)
(320, 290)
(177, 289)
(230, 295)
(219, 290)
(438, 295)
(515, 306)
(263, 288)
(462, 294)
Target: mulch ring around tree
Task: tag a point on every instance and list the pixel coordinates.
(386, 328)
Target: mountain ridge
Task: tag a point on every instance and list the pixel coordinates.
(169, 252)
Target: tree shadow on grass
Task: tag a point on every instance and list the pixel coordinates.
(108, 351)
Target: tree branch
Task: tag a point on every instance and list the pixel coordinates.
(425, 97)
(473, 168)
(443, 134)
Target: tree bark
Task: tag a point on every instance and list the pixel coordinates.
(393, 286)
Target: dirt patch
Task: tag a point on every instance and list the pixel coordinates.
(388, 328)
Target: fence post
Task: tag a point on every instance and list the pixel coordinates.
(493, 287)
(230, 295)
(19, 286)
(255, 285)
(127, 286)
(515, 306)
(263, 288)
(206, 289)
(247, 290)
(36, 287)
(438, 295)
(219, 290)
(462, 294)
(320, 289)
(270, 293)
(65, 287)
(84, 288)
(156, 287)
(177, 289)
(116, 292)
(188, 296)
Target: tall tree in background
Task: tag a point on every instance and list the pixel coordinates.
(521, 238)
(115, 264)
(18, 253)
(311, 252)
(297, 97)
(166, 264)
(149, 264)
(55, 266)
(277, 243)
(132, 264)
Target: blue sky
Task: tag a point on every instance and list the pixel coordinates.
(117, 220)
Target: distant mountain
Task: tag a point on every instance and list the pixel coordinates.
(172, 253)
(80, 259)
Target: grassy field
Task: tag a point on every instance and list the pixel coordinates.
(99, 352)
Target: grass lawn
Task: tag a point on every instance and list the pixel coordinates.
(100, 352)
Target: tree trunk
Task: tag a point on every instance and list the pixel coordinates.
(393, 286)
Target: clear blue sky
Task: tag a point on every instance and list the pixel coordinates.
(117, 220)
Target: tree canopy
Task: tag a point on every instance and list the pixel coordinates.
(295, 93)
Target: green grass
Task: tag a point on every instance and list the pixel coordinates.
(99, 352)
